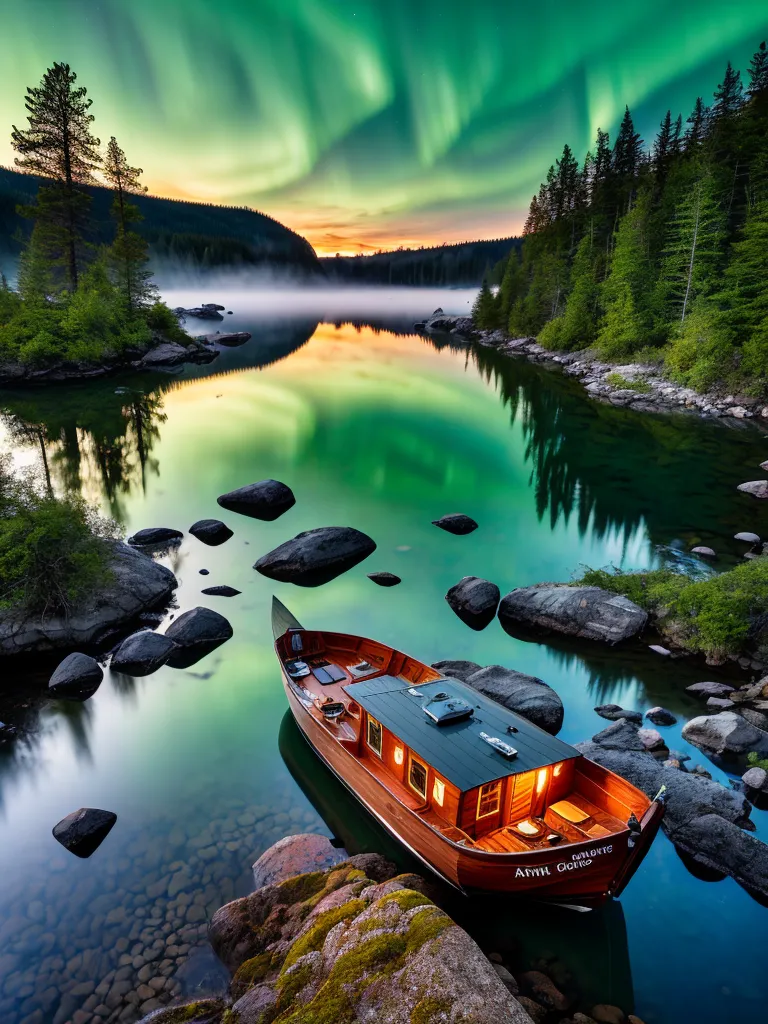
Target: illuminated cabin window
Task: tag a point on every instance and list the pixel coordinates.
(488, 799)
(417, 777)
(541, 781)
(557, 769)
(374, 735)
(438, 792)
(399, 755)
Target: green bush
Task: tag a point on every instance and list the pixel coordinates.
(755, 761)
(159, 317)
(53, 551)
(713, 616)
(616, 380)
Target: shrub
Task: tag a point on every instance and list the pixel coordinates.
(755, 761)
(53, 551)
(617, 380)
(159, 317)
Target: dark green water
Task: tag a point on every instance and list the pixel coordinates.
(381, 430)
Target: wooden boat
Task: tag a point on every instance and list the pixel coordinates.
(484, 798)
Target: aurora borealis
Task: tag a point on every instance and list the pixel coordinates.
(371, 123)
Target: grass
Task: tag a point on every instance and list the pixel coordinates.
(617, 380)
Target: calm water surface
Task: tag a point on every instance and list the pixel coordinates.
(379, 429)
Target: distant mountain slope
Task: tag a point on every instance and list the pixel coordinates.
(198, 233)
(464, 263)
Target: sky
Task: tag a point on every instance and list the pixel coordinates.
(368, 124)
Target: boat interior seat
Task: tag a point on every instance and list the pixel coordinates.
(573, 814)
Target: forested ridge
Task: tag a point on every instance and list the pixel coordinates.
(655, 251)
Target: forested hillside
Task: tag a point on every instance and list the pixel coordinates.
(657, 250)
(199, 234)
(465, 263)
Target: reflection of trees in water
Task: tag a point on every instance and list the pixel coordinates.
(618, 470)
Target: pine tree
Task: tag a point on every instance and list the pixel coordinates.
(576, 327)
(664, 149)
(729, 95)
(59, 145)
(693, 249)
(758, 71)
(745, 295)
(485, 310)
(699, 123)
(512, 285)
(128, 254)
(628, 150)
(626, 322)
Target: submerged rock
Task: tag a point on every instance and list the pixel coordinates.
(142, 653)
(295, 855)
(614, 713)
(456, 523)
(316, 556)
(77, 677)
(384, 579)
(660, 716)
(197, 633)
(527, 696)
(205, 312)
(725, 734)
(221, 591)
(457, 669)
(588, 612)
(474, 601)
(84, 830)
(266, 500)
(211, 531)
(155, 536)
(232, 339)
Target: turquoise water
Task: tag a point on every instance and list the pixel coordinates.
(379, 429)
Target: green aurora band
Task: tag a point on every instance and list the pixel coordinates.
(371, 122)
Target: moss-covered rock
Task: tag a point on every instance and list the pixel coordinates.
(203, 1011)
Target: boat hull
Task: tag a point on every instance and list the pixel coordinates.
(583, 874)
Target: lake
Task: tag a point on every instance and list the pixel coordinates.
(374, 427)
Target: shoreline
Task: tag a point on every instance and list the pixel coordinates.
(651, 391)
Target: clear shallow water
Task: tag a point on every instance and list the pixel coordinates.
(378, 429)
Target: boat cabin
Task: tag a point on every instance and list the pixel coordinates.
(481, 776)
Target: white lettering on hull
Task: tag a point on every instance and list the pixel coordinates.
(583, 858)
(531, 872)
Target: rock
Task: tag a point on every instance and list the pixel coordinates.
(658, 649)
(266, 500)
(295, 855)
(541, 989)
(474, 601)
(526, 695)
(384, 579)
(720, 703)
(232, 339)
(155, 537)
(757, 488)
(142, 653)
(202, 1011)
(651, 739)
(138, 583)
(84, 830)
(660, 716)
(456, 523)
(507, 978)
(726, 733)
(210, 531)
(722, 846)
(168, 353)
(537, 1013)
(457, 669)
(604, 1013)
(748, 538)
(621, 735)
(204, 572)
(255, 1006)
(78, 677)
(211, 305)
(316, 556)
(705, 552)
(588, 612)
(756, 778)
(709, 689)
(615, 713)
(197, 633)
(221, 591)
(201, 312)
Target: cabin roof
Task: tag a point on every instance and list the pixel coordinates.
(455, 749)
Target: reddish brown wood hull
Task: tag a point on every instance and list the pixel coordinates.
(585, 873)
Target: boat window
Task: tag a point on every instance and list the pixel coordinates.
(374, 735)
(438, 792)
(488, 799)
(417, 777)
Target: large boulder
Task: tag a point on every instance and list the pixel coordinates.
(457, 669)
(84, 830)
(722, 846)
(266, 500)
(622, 735)
(77, 677)
(661, 716)
(195, 634)
(757, 488)
(210, 531)
(142, 653)
(725, 734)
(167, 353)
(526, 695)
(588, 612)
(202, 1011)
(456, 523)
(709, 689)
(136, 584)
(316, 556)
(474, 601)
(295, 855)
